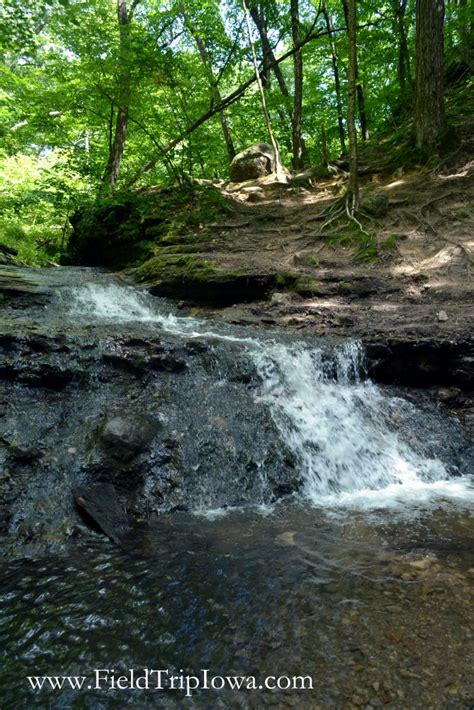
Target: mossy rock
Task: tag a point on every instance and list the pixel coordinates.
(174, 268)
(307, 286)
(124, 229)
(298, 283)
(203, 281)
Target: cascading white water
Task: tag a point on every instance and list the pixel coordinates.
(342, 430)
(122, 304)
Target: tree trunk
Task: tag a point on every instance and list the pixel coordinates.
(268, 53)
(337, 81)
(118, 144)
(364, 130)
(403, 65)
(324, 146)
(466, 32)
(298, 97)
(353, 190)
(359, 88)
(429, 99)
(216, 95)
(278, 166)
(269, 56)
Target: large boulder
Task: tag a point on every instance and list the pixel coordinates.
(253, 162)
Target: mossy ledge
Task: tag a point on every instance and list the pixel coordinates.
(201, 280)
(128, 228)
(170, 237)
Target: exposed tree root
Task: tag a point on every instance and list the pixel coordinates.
(351, 212)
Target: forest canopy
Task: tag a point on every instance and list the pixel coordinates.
(98, 94)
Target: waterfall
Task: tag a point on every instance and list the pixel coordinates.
(115, 303)
(344, 431)
(353, 444)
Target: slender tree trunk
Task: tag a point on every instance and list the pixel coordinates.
(268, 53)
(403, 65)
(466, 32)
(337, 81)
(324, 145)
(279, 168)
(269, 61)
(298, 97)
(269, 56)
(429, 93)
(359, 88)
(364, 129)
(216, 95)
(353, 190)
(112, 170)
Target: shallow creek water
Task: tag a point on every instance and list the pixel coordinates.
(361, 580)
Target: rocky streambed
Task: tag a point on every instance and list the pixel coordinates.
(269, 509)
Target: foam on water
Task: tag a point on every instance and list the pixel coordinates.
(124, 304)
(343, 432)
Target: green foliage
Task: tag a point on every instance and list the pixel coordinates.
(37, 193)
(391, 242)
(62, 69)
(364, 243)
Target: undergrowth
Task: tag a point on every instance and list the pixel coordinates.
(364, 243)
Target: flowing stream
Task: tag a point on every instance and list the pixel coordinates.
(358, 576)
(342, 429)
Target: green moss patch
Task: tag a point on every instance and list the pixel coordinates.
(125, 229)
(174, 268)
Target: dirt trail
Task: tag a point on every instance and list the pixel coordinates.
(410, 276)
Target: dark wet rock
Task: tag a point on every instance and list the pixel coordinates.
(21, 452)
(40, 374)
(39, 361)
(201, 281)
(140, 356)
(102, 506)
(421, 363)
(8, 255)
(170, 423)
(124, 436)
(256, 161)
(18, 288)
